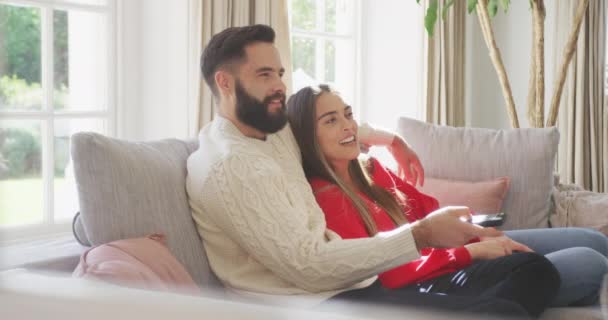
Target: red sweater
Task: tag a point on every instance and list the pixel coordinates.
(343, 218)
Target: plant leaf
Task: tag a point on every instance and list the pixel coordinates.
(431, 17)
(505, 5)
(418, 1)
(446, 6)
(471, 5)
(493, 8)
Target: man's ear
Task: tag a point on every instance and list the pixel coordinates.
(224, 82)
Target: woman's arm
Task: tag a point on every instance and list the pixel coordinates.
(403, 153)
(343, 218)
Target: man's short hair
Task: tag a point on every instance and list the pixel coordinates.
(228, 48)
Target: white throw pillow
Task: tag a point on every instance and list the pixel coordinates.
(526, 155)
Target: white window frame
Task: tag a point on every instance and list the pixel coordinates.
(48, 228)
(354, 37)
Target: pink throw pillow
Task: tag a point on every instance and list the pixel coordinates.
(480, 197)
(144, 263)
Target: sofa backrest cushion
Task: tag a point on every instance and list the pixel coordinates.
(133, 189)
(481, 196)
(527, 156)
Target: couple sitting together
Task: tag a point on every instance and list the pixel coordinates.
(286, 206)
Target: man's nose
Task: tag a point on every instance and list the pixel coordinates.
(279, 86)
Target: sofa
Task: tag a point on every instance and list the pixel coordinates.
(131, 189)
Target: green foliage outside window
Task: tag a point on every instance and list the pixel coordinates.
(20, 62)
(20, 84)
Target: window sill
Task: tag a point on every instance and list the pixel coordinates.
(18, 235)
(59, 253)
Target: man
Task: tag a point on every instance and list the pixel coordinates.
(263, 232)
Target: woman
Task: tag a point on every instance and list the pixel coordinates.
(360, 198)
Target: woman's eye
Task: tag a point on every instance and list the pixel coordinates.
(349, 115)
(330, 121)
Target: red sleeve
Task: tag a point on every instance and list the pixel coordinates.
(342, 217)
(419, 204)
(433, 263)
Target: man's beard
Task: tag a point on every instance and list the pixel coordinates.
(255, 113)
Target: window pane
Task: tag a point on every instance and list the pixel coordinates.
(80, 61)
(339, 16)
(330, 15)
(330, 61)
(21, 187)
(303, 55)
(20, 70)
(303, 14)
(90, 2)
(337, 72)
(66, 198)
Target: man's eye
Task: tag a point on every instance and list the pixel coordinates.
(349, 115)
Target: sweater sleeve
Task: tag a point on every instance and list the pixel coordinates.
(251, 201)
(375, 137)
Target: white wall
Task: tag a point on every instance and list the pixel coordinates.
(484, 100)
(390, 62)
(154, 85)
(129, 75)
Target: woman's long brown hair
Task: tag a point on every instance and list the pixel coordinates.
(301, 113)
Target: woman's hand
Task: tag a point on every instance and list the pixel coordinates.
(448, 228)
(491, 248)
(407, 159)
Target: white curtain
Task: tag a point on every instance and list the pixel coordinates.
(583, 115)
(444, 59)
(209, 17)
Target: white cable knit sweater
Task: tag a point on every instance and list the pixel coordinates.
(262, 230)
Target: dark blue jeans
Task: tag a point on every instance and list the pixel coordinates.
(519, 285)
(579, 255)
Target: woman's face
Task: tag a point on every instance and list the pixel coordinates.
(336, 129)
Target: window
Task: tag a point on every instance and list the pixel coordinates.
(321, 31)
(55, 80)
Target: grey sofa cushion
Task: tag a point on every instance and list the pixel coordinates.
(131, 189)
(525, 155)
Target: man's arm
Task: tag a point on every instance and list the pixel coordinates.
(253, 204)
(402, 152)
